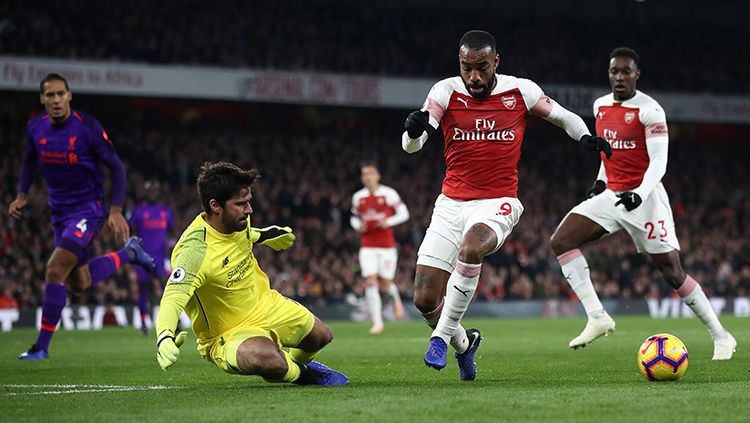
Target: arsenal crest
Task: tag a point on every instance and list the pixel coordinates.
(629, 117)
(509, 101)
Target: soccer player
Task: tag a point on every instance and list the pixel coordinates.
(483, 115)
(376, 209)
(68, 145)
(628, 194)
(241, 323)
(152, 221)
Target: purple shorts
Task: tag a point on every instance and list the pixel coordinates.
(77, 226)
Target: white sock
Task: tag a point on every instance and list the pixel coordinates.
(459, 291)
(374, 304)
(692, 294)
(394, 294)
(576, 271)
(459, 340)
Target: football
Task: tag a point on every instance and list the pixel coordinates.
(663, 357)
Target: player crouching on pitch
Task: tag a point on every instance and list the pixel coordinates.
(241, 323)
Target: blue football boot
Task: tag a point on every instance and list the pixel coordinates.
(467, 368)
(34, 353)
(139, 255)
(435, 355)
(314, 373)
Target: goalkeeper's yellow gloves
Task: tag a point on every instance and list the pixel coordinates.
(277, 237)
(168, 347)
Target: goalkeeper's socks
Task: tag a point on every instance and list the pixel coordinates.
(55, 295)
(302, 356)
(103, 266)
(459, 291)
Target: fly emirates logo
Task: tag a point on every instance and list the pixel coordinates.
(484, 130)
(611, 136)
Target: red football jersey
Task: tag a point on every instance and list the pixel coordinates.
(627, 126)
(483, 136)
(371, 207)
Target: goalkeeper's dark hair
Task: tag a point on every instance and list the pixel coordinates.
(477, 40)
(221, 181)
(52, 77)
(626, 52)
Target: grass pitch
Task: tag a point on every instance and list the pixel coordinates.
(525, 373)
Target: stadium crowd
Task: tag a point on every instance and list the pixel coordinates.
(383, 38)
(310, 170)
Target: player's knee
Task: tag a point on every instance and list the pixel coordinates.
(471, 253)
(424, 302)
(267, 363)
(56, 272)
(674, 275)
(559, 244)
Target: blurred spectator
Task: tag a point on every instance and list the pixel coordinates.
(310, 167)
(680, 50)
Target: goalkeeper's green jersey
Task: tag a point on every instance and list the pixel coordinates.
(215, 279)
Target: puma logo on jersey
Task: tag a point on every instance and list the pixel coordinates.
(462, 100)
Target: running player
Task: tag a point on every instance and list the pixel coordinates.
(68, 145)
(628, 194)
(483, 115)
(376, 209)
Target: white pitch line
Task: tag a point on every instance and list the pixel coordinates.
(74, 389)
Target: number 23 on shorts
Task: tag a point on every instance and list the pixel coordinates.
(652, 228)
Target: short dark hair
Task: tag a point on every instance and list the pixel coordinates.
(477, 40)
(221, 181)
(368, 163)
(626, 52)
(52, 77)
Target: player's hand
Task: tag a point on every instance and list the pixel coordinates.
(592, 143)
(629, 199)
(16, 206)
(382, 224)
(277, 237)
(168, 348)
(117, 224)
(417, 122)
(596, 189)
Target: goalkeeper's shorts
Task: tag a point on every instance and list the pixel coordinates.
(285, 322)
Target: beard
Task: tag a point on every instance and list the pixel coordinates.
(233, 224)
(486, 88)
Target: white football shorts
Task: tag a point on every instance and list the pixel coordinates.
(378, 261)
(452, 219)
(650, 226)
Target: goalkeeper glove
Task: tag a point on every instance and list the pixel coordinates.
(417, 122)
(630, 200)
(596, 144)
(168, 347)
(596, 189)
(277, 237)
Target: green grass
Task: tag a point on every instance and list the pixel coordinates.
(526, 373)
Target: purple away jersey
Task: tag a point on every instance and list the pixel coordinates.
(152, 222)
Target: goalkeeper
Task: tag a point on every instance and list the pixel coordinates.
(243, 326)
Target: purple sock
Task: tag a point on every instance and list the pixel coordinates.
(103, 266)
(55, 296)
(143, 303)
